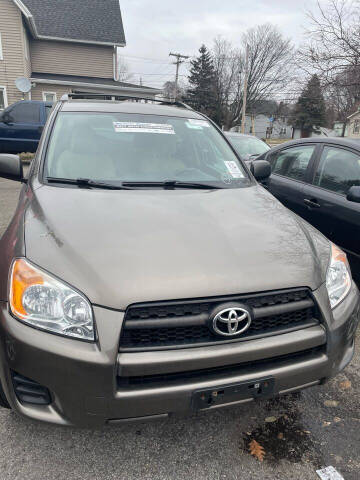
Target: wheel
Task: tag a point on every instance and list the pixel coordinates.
(3, 401)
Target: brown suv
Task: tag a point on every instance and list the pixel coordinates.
(146, 272)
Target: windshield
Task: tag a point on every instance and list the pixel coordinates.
(247, 147)
(141, 148)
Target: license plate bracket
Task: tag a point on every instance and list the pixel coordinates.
(210, 397)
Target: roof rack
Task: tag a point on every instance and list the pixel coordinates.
(81, 96)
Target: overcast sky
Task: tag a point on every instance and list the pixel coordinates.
(153, 28)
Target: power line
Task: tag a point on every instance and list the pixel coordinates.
(147, 59)
(160, 74)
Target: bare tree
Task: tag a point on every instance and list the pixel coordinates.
(333, 52)
(229, 74)
(169, 90)
(270, 61)
(334, 39)
(124, 73)
(343, 94)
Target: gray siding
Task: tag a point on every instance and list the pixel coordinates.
(71, 58)
(13, 64)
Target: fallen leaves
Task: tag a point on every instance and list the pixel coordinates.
(331, 403)
(270, 419)
(257, 450)
(345, 385)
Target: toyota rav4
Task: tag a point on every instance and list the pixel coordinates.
(146, 273)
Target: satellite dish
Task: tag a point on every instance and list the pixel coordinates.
(23, 84)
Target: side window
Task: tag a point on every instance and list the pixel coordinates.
(338, 170)
(292, 162)
(25, 113)
(2, 98)
(49, 96)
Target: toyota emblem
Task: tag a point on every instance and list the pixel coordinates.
(231, 321)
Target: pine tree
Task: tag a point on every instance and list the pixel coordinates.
(310, 109)
(201, 79)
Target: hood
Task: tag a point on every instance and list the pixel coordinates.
(128, 246)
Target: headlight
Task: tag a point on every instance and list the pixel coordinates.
(338, 277)
(44, 302)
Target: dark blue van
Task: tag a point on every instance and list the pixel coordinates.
(21, 125)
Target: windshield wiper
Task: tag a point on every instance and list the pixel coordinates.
(170, 184)
(167, 184)
(86, 182)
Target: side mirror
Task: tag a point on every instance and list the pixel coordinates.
(11, 167)
(261, 169)
(353, 194)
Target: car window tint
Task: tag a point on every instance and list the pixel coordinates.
(25, 113)
(338, 170)
(292, 162)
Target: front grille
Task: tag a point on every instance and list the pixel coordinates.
(219, 372)
(185, 323)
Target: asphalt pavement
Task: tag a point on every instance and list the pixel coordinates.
(300, 434)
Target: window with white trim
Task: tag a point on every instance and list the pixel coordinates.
(3, 98)
(49, 97)
(1, 49)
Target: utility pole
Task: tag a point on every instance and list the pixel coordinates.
(245, 89)
(253, 124)
(179, 60)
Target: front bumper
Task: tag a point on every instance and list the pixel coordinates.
(90, 386)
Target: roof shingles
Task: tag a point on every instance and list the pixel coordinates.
(97, 21)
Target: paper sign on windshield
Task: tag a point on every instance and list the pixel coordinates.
(195, 123)
(136, 127)
(233, 169)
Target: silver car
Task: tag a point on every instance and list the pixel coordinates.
(146, 273)
(248, 147)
